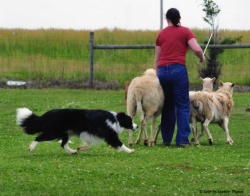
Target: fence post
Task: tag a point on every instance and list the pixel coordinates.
(91, 60)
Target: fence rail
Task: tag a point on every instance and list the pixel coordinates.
(150, 46)
(93, 46)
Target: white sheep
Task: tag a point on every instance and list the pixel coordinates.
(207, 86)
(145, 95)
(215, 108)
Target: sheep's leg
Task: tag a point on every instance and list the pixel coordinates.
(205, 126)
(152, 142)
(140, 111)
(145, 131)
(224, 126)
(202, 132)
(194, 129)
(157, 133)
(130, 139)
(143, 119)
(138, 140)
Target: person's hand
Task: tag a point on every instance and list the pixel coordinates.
(202, 59)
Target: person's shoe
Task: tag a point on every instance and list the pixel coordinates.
(184, 145)
(165, 144)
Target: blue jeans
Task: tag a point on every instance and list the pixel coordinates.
(175, 84)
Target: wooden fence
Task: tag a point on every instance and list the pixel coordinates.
(93, 47)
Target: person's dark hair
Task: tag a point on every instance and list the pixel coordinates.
(174, 16)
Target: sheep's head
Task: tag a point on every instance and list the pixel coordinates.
(208, 83)
(226, 86)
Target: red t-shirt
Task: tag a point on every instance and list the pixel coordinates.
(174, 45)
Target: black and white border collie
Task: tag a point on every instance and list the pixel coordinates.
(91, 126)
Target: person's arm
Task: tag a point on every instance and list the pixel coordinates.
(157, 57)
(196, 49)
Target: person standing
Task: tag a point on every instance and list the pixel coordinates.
(172, 45)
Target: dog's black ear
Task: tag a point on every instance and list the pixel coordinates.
(121, 116)
(125, 120)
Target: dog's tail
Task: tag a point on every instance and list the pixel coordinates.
(27, 119)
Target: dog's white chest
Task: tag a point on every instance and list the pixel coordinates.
(91, 139)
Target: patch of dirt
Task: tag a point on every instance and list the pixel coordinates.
(241, 88)
(64, 84)
(237, 88)
(98, 85)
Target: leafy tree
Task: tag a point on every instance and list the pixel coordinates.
(212, 67)
(211, 10)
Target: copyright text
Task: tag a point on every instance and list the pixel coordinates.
(222, 191)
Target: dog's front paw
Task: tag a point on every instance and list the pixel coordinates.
(32, 146)
(74, 152)
(125, 149)
(29, 150)
(131, 151)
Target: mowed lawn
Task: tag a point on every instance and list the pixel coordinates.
(220, 169)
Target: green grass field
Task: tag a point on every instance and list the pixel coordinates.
(52, 54)
(220, 169)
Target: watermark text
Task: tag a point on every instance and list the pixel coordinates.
(221, 191)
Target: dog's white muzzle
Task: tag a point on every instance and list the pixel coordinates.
(135, 126)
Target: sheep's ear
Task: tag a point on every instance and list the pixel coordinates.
(233, 84)
(221, 83)
(144, 73)
(201, 79)
(213, 79)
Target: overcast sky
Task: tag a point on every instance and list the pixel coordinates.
(125, 14)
